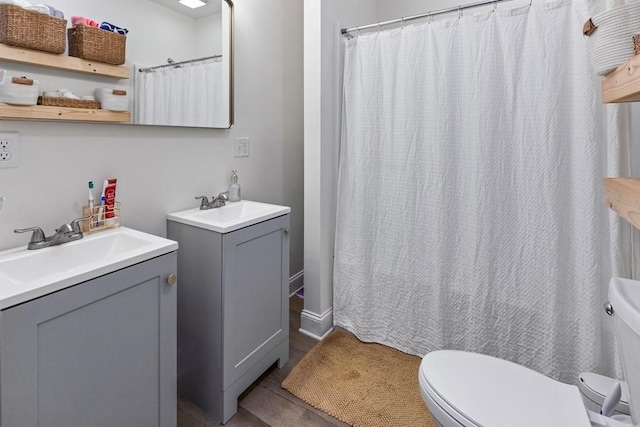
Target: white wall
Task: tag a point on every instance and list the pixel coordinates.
(161, 169)
(209, 35)
(402, 8)
(322, 91)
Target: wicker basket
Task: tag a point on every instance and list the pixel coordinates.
(98, 45)
(33, 30)
(636, 44)
(52, 101)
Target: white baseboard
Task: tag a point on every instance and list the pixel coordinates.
(315, 337)
(316, 326)
(296, 282)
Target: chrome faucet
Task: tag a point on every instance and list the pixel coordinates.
(216, 202)
(65, 233)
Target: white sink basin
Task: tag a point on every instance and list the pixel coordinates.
(233, 216)
(26, 274)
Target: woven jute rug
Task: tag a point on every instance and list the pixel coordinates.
(360, 384)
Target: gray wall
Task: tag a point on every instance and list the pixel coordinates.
(160, 170)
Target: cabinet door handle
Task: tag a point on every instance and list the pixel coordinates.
(172, 279)
(286, 231)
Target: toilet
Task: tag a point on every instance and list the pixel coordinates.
(474, 390)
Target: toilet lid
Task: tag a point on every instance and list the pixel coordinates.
(493, 392)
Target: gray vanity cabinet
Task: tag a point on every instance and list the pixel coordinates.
(233, 311)
(100, 353)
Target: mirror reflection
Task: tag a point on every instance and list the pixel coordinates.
(179, 60)
(189, 89)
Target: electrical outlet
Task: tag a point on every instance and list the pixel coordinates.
(9, 149)
(241, 147)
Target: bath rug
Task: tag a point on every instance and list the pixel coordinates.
(361, 384)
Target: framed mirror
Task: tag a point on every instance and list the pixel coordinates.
(191, 86)
(180, 60)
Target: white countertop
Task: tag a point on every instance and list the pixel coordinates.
(28, 274)
(233, 216)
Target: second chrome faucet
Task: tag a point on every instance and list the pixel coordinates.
(216, 202)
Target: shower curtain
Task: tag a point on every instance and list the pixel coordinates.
(470, 210)
(188, 95)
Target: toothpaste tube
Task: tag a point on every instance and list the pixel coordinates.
(110, 201)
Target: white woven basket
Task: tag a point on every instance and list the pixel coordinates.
(613, 40)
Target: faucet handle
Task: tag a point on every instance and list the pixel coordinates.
(75, 224)
(36, 237)
(223, 196)
(204, 203)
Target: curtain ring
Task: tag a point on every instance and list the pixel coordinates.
(495, 6)
(459, 12)
(378, 27)
(429, 17)
(402, 22)
(357, 31)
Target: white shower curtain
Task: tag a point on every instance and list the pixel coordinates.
(470, 209)
(189, 95)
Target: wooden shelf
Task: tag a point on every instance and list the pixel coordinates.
(623, 83)
(62, 62)
(623, 197)
(62, 113)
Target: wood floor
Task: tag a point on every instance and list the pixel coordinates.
(265, 403)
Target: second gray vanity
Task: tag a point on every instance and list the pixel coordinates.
(233, 312)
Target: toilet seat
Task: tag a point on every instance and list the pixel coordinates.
(478, 390)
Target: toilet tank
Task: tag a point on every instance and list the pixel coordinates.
(624, 297)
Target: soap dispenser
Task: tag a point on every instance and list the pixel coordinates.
(234, 188)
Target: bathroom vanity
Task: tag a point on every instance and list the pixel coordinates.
(233, 312)
(88, 332)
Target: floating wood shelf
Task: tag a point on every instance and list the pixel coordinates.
(623, 197)
(623, 83)
(63, 113)
(62, 62)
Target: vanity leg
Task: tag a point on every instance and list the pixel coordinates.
(229, 404)
(284, 354)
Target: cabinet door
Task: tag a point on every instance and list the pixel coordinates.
(255, 285)
(101, 353)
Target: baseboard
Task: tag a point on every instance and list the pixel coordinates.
(316, 326)
(296, 282)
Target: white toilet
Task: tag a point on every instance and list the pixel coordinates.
(474, 390)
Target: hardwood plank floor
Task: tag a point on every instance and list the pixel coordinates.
(265, 403)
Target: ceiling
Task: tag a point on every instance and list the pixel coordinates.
(211, 8)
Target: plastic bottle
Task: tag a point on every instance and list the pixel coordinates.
(234, 188)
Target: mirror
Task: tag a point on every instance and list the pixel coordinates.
(191, 86)
(195, 91)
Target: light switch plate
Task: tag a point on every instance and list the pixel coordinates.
(241, 147)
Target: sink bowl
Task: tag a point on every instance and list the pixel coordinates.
(233, 216)
(26, 274)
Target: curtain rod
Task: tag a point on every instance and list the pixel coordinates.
(459, 9)
(175, 64)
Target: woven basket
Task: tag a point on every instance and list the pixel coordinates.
(636, 44)
(33, 30)
(52, 101)
(98, 45)
(613, 39)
